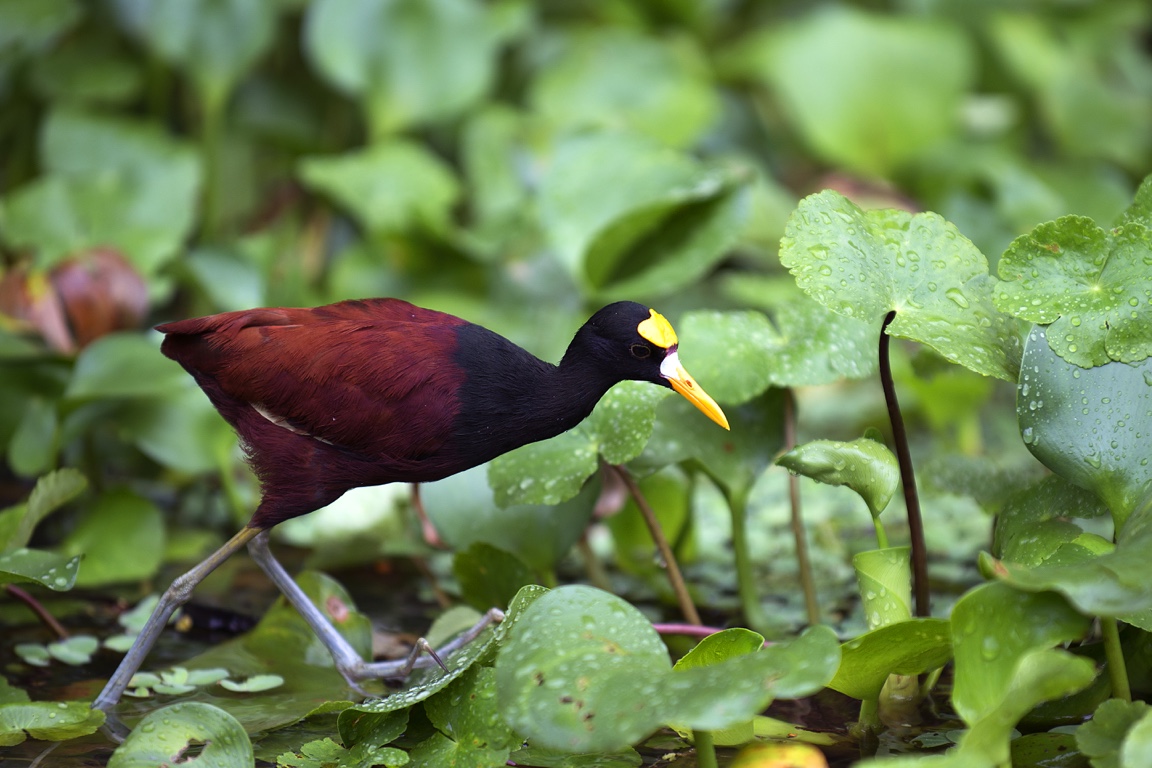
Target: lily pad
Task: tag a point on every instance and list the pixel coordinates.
(864, 264)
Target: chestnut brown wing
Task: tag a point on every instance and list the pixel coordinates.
(376, 378)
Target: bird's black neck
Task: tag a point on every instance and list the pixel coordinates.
(512, 397)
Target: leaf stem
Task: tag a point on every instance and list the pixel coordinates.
(745, 575)
(907, 475)
(211, 132)
(803, 562)
(705, 749)
(869, 716)
(38, 608)
(1114, 654)
(675, 578)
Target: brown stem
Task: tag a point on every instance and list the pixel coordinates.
(907, 476)
(38, 609)
(675, 578)
(803, 562)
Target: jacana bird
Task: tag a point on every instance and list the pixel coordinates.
(381, 391)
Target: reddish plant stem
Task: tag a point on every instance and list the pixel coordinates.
(38, 609)
(907, 476)
(675, 578)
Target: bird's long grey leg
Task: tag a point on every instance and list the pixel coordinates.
(173, 598)
(348, 661)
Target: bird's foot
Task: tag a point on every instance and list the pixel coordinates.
(422, 656)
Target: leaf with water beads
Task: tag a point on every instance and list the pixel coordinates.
(866, 466)
(1091, 426)
(1092, 286)
(585, 671)
(864, 264)
(46, 720)
(167, 732)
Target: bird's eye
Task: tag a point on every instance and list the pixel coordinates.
(641, 351)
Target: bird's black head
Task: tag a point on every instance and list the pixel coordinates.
(628, 341)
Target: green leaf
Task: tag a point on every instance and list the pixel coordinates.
(181, 431)
(437, 59)
(462, 508)
(721, 646)
(424, 683)
(864, 264)
(47, 720)
(1090, 426)
(1099, 584)
(27, 28)
(618, 78)
(1092, 287)
(51, 492)
(32, 449)
(488, 576)
(885, 579)
(1035, 523)
(552, 471)
(562, 676)
(895, 97)
(110, 183)
(75, 650)
(733, 459)
(471, 729)
(167, 732)
(121, 536)
(102, 369)
(254, 684)
(626, 215)
(87, 70)
(990, 644)
(1115, 728)
(215, 41)
(864, 465)
(391, 186)
(909, 647)
(745, 354)
(57, 572)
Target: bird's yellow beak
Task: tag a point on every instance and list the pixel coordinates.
(671, 370)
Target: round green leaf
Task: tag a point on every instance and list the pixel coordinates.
(165, 734)
(864, 264)
(864, 465)
(121, 536)
(896, 95)
(580, 672)
(1094, 288)
(1090, 426)
(718, 647)
(1105, 737)
(617, 77)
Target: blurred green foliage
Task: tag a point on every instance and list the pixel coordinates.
(519, 164)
